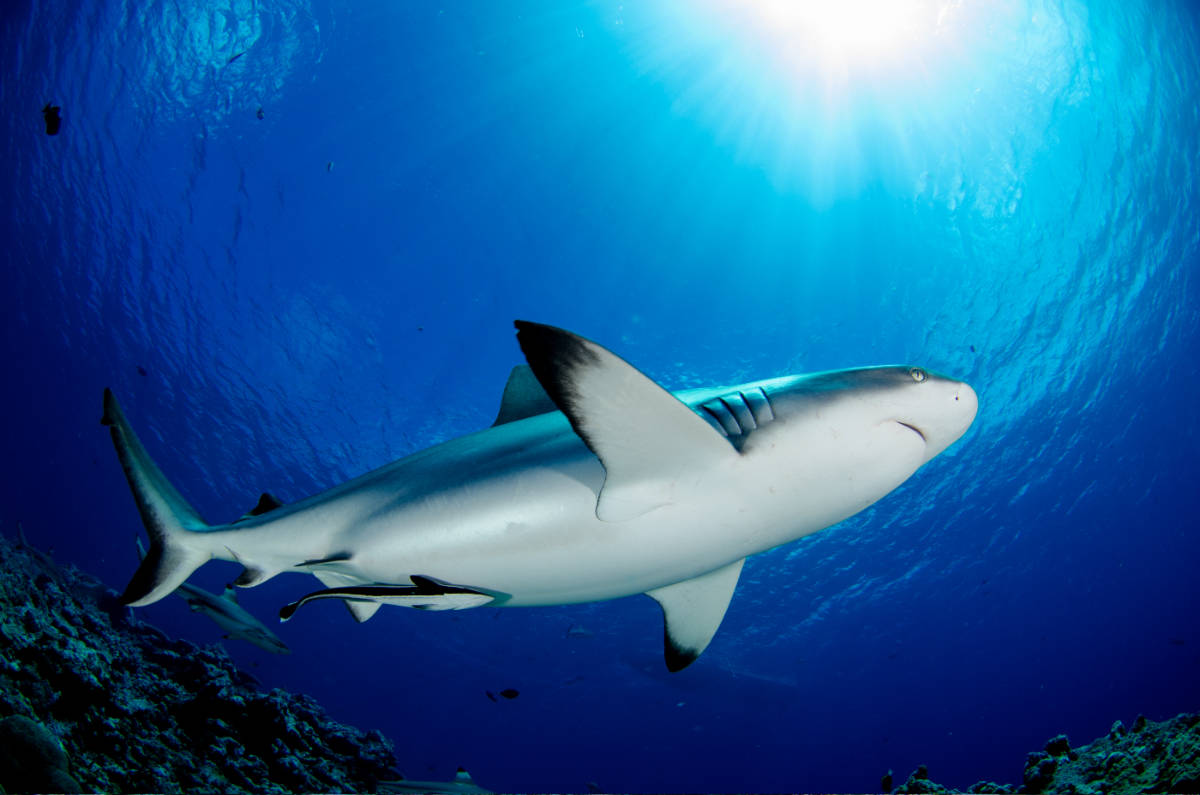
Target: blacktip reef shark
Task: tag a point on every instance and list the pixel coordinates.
(224, 610)
(593, 483)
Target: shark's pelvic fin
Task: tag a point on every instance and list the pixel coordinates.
(523, 397)
(174, 553)
(360, 610)
(644, 436)
(692, 611)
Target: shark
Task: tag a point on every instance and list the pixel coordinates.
(224, 610)
(461, 784)
(593, 483)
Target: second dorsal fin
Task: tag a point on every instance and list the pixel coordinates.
(267, 502)
(523, 397)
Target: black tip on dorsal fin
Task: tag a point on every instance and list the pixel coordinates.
(553, 353)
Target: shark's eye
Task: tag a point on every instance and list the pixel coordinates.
(917, 374)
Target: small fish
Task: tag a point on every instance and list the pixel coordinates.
(234, 57)
(258, 114)
(53, 120)
(577, 631)
(329, 166)
(142, 371)
(510, 693)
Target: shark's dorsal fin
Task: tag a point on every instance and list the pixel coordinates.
(692, 611)
(229, 593)
(523, 397)
(645, 437)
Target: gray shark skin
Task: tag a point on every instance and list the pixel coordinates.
(623, 488)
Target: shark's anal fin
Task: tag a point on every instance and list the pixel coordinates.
(645, 437)
(692, 611)
(523, 397)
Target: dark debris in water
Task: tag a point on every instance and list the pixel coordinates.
(51, 114)
(111, 704)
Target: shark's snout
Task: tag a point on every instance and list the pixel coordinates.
(949, 416)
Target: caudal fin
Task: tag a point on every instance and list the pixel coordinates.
(175, 546)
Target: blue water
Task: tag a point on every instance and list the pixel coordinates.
(323, 290)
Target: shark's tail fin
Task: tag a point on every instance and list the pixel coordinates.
(175, 548)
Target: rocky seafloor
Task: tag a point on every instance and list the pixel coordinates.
(1149, 756)
(94, 700)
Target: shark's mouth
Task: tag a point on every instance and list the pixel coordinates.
(912, 428)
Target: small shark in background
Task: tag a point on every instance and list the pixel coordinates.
(43, 559)
(232, 617)
(593, 483)
(462, 784)
(229, 615)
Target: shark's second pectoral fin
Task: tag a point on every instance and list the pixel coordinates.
(424, 594)
(692, 612)
(647, 440)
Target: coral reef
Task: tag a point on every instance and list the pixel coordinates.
(1150, 756)
(135, 711)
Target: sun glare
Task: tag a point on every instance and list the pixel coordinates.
(824, 94)
(851, 35)
(866, 28)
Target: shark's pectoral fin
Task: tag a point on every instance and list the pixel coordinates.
(647, 440)
(692, 611)
(424, 594)
(523, 397)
